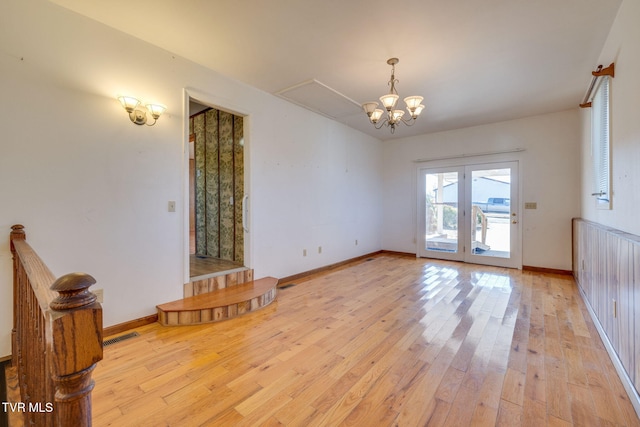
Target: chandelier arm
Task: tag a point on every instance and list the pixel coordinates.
(409, 122)
(382, 123)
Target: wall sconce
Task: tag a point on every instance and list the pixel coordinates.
(137, 113)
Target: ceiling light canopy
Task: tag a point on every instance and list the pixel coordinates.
(389, 102)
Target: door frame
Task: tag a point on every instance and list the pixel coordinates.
(515, 258)
(458, 255)
(223, 105)
(463, 161)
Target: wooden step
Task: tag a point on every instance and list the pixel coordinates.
(219, 305)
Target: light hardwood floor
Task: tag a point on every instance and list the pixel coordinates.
(393, 341)
(205, 266)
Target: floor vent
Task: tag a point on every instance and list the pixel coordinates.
(120, 338)
(370, 259)
(288, 285)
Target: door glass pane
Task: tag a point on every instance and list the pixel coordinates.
(491, 212)
(441, 212)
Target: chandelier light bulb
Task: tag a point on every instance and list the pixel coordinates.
(416, 112)
(375, 116)
(413, 102)
(396, 115)
(369, 107)
(389, 101)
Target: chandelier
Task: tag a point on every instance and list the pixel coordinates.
(389, 101)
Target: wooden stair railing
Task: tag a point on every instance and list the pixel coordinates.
(56, 339)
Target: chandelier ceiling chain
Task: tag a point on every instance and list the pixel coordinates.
(389, 101)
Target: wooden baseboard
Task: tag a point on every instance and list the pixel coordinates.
(135, 323)
(287, 280)
(547, 270)
(397, 253)
(5, 359)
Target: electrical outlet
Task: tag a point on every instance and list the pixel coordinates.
(99, 293)
(319, 249)
(356, 242)
(304, 252)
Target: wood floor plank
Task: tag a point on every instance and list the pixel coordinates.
(509, 414)
(582, 407)
(390, 341)
(557, 392)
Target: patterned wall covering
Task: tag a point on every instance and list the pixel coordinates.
(219, 184)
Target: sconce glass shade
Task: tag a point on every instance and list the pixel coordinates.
(389, 101)
(156, 110)
(375, 116)
(129, 103)
(413, 102)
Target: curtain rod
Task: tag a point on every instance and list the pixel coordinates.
(461, 156)
(609, 71)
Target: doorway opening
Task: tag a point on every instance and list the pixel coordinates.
(470, 213)
(216, 191)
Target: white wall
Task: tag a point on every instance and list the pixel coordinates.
(622, 48)
(92, 188)
(549, 171)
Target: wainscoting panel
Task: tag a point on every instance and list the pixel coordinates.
(607, 268)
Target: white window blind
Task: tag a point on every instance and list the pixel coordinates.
(600, 133)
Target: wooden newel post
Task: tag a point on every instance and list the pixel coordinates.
(17, 232)
(77, 347)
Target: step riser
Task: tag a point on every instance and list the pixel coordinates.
(212, 284)
(216, 314)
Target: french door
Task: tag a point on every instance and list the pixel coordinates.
(470, 213)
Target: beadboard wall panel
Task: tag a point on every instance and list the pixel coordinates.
(606, 266)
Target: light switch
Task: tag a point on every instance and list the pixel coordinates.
(172, 206)
(531, 205)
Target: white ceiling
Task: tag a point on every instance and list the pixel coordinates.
(475, 62)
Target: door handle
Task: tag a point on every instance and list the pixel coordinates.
(514, 222)
(245, 206)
